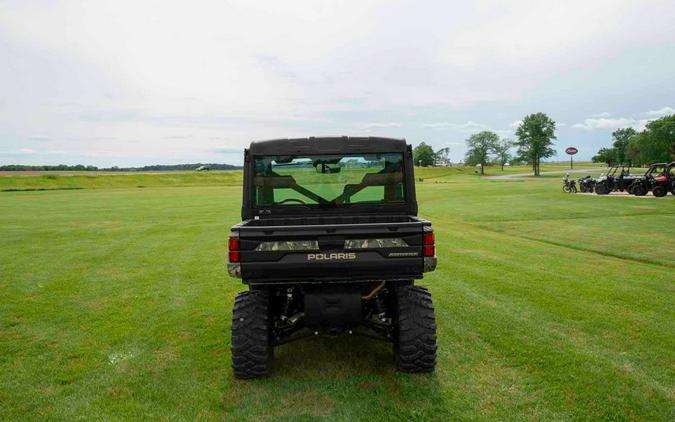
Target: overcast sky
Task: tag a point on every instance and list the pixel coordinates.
(139, 82)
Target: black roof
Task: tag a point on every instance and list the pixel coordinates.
(327, 145)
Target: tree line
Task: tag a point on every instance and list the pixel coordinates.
(535, 140)
(655, 144)
(425, 156)
(81, 167)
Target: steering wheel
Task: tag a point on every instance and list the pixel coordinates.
(299, 201)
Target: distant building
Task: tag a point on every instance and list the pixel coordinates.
(203, 168)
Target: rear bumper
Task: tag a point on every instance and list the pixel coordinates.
(234, 270)
(429, 263)
(338, 266)
(331, 256)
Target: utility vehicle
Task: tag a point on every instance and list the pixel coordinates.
(618, 178)
(586, 184)
(664, 182)
(331, 244)
(645, 183)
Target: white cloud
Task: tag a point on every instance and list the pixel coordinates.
(504, 133)
(32, 152)
(382, 125)
(604, 123)
(641, 124)
(665, 111)
(468, 127)
(145, 77)
(516, 124)
(592, 124)
(38, 138)
(229, 150)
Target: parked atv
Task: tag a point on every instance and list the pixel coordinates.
(618, 178)
(569, 186)
(664, 182)
(586, 184)
(330, 243)
(645, 183)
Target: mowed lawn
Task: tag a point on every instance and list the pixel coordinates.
(115, 304)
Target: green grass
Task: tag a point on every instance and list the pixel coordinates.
(122, 180)
(115, 304)
(93, 180)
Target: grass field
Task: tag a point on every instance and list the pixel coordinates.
(20, 181)
(115, 304)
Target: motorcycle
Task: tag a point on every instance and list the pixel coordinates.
(569, 186)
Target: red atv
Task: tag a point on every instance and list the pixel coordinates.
(647, 181)
(664, 182)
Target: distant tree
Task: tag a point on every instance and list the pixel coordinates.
(423, 155)
(633, 150)
(535, 139)
(605, 155)
(661, 133)
(502, 150)
(654, 144)
(82, 167)
(657, 142)
(58, 167)
(441, 156)
(480, 146)
(622, 139)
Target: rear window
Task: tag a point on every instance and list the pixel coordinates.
(328, 180)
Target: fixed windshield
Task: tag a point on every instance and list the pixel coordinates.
(328, 180)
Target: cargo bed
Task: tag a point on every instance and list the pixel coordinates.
(331, 248)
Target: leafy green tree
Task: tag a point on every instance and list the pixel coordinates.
(481, 145)
(657, 142)
(622, 139)
(654, 144)
(502, 150)
(441, 156)
(423, 155)
(535, 139)
(605, 155)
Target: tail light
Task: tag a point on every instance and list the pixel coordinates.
(429, 244)
(233, 249)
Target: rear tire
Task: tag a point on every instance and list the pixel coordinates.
(251, 335)
(601, 189)
(414, 330)
(659, 191)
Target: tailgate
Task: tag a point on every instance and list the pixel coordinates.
(272, 254)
